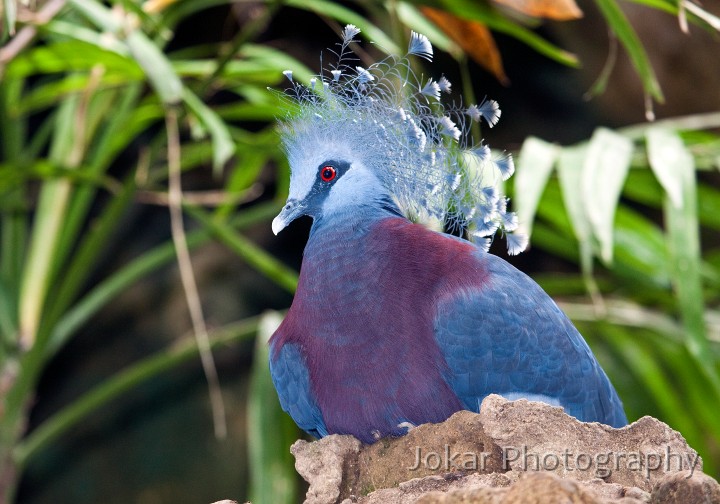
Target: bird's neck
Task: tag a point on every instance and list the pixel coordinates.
(353, 220)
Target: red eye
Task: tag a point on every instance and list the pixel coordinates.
(328, 173)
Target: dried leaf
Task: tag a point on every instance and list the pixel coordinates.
(561, 10)
(474, 38)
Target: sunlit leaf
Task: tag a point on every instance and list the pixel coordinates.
(473, 37)
(604, 171)
(9, 14)
(223, 145)
(157, 67)
(157, 6)
(534, 165)
(97, 13)
(483, 13)
(667, 156)
(71, 55)
(552, 9)
(570, 172)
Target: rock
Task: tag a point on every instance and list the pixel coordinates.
(511, 452)
(322, 464)
(535, 436)
(682, 487)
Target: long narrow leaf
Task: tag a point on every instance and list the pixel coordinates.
(644, 365)
(684, 246)
(85, 258)
(254, 255)
(604, 171)
(223, 145)
(345, 16)
(629, 39)
(534, 166)
(9, 12)
(270, 430)
(157, 67)
(8, 321)
(100, 15)
(47, 229)
(667, 155)
(570, 172)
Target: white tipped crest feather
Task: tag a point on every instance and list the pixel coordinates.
(431, 89)
(444, 85)
(420, 46)
(349, 33)
(421, 151)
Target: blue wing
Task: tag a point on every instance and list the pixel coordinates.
(291, 378)
(509, 337)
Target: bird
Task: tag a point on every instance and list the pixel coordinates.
(401, 315)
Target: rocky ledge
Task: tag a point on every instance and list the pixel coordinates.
(511, 452)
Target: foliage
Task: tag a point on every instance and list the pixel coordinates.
(88, 100)
(91, 95)
(631, 199)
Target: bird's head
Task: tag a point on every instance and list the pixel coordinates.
(328, 179)
(359, 139)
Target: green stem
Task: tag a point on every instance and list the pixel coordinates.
(255, 256)
(695, 122)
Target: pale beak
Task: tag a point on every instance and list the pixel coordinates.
(291, 211)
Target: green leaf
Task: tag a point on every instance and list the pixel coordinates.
(9, 12)
(97, 13)
(157, 68)
(684, 246)
(605, 168)
(270, 430)
(255, 256)
(640, 249)
(640, 359)
(629, 39)
(48, 225)
(8, 322)
(223, 145)
(534, 166)
(347, 16)
(72, 55)
(570, 172)
(274, 60)
(83, 34)
(667, 156)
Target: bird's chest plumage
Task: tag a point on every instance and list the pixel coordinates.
(363, 319)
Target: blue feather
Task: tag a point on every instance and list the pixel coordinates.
(289, 374)
(511, 338)
(505, 166)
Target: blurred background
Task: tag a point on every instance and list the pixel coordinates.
(108, 109)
